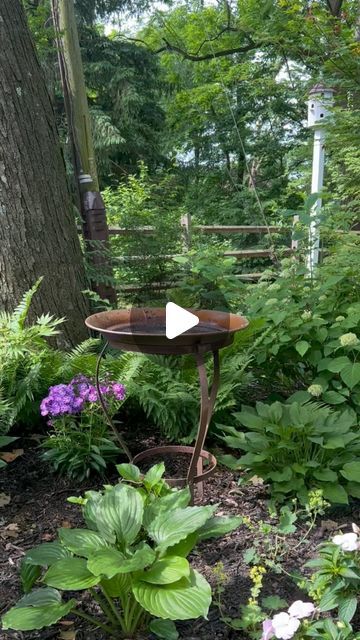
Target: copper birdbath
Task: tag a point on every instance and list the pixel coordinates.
(143, 330)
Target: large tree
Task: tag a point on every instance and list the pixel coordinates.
(38, 235)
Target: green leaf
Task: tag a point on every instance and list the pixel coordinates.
(351, 471)
(174, 500)
(46, 554)
(325, 475)
(281, 476)
(119, 514)
(183, 600)
(338, 364)
(347, 608)
(302, 347)
(219, 526)
(129, 472)
(353, 489)
(29, 573)
(351, 375)
(184, 547)
(167, 570)
(83, 542)
(335, 493)
(330, 600)
(36, 610)
(274, 603)
(169, 528)
(333, 397)
(154, 475)
(164, 629)
(286, 521)
(109, 562)
(118, 585)
(70, 574)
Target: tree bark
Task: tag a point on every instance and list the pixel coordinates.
(38, 234)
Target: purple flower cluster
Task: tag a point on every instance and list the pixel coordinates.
(72, 398)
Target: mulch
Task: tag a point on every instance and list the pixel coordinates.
(38, 507)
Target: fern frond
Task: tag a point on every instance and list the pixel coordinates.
(21, 311)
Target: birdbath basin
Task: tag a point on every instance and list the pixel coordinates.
(144, 330)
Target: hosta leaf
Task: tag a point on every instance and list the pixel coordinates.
(168, 529)
(119, 584)
(175, 500)
(351, 374)
(83, 542)
(335, 493)
(40, 597)
(154, 475)
(46, 554)
(325, 475)
(119, 514)
(29, 573)
(184, 547)
(29, 618)
(219, 526)
(351, 471)
(169, 569)
(353, 489)
(70, 574)
(188, 598)
(165, 629)
(109, 562)
(129, 472)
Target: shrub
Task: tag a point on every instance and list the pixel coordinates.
(80, 440)
(132, 557)
(297, 448)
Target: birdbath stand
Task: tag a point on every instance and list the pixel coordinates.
(144, 330)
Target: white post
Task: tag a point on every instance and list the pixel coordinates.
(320, 100)
(317, 182)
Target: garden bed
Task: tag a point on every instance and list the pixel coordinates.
(38, 507)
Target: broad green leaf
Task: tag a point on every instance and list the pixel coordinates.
(353, 489)
(325, 475)
(129, 472)
(169, 528)
(330, 600)
(46, 554)
(154, 475)
(70, 574)
(40, 597)
(229, 461)
(219, 526)
(302, 347)
(83, 542)
(119, 514)
(119, 584)
(286, 521)
(5, 440)
(274, 603)
(351, 471)
(333, 397)
(164, 629)
(29, 573)
(347, 608)
(251, 420)
(175, 500)
(351, 374)
(109, 562)
(167, 570)
(338, 364)
(184, 547)
(183, 600)
(335, 493)
(30, 618)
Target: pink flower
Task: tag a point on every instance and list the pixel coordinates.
(300, 609)
(285, 626)
(268, 630)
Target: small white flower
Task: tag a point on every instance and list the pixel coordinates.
(347, 541)
(300, 609)
(339, 318)
(285, 626)
(306, 315)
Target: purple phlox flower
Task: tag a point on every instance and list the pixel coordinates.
(119, 390)
(268, 630)
(61, 400)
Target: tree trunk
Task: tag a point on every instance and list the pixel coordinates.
(38, 234)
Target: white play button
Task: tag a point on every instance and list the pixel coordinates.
(178, 320)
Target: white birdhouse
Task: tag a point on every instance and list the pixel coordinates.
(321, 99)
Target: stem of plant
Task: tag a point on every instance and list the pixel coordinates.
(93, 621)
(104, 607)
(114, 610)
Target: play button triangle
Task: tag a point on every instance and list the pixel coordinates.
(178, 320)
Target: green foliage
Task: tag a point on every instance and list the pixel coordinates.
(336, 580)
(28, 362)
(129, 557)
(298, 448)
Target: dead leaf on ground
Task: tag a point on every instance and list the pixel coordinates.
(256, 481)
(68, 634)
(10, 456)
(66, 524)
(4, 499)
(10, 531)
(47, 537)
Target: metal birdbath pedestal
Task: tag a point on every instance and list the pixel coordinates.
(144, 330)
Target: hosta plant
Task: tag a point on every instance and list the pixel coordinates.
(131, 558)
(297, 448)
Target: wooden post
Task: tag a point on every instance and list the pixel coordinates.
(186, 225)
